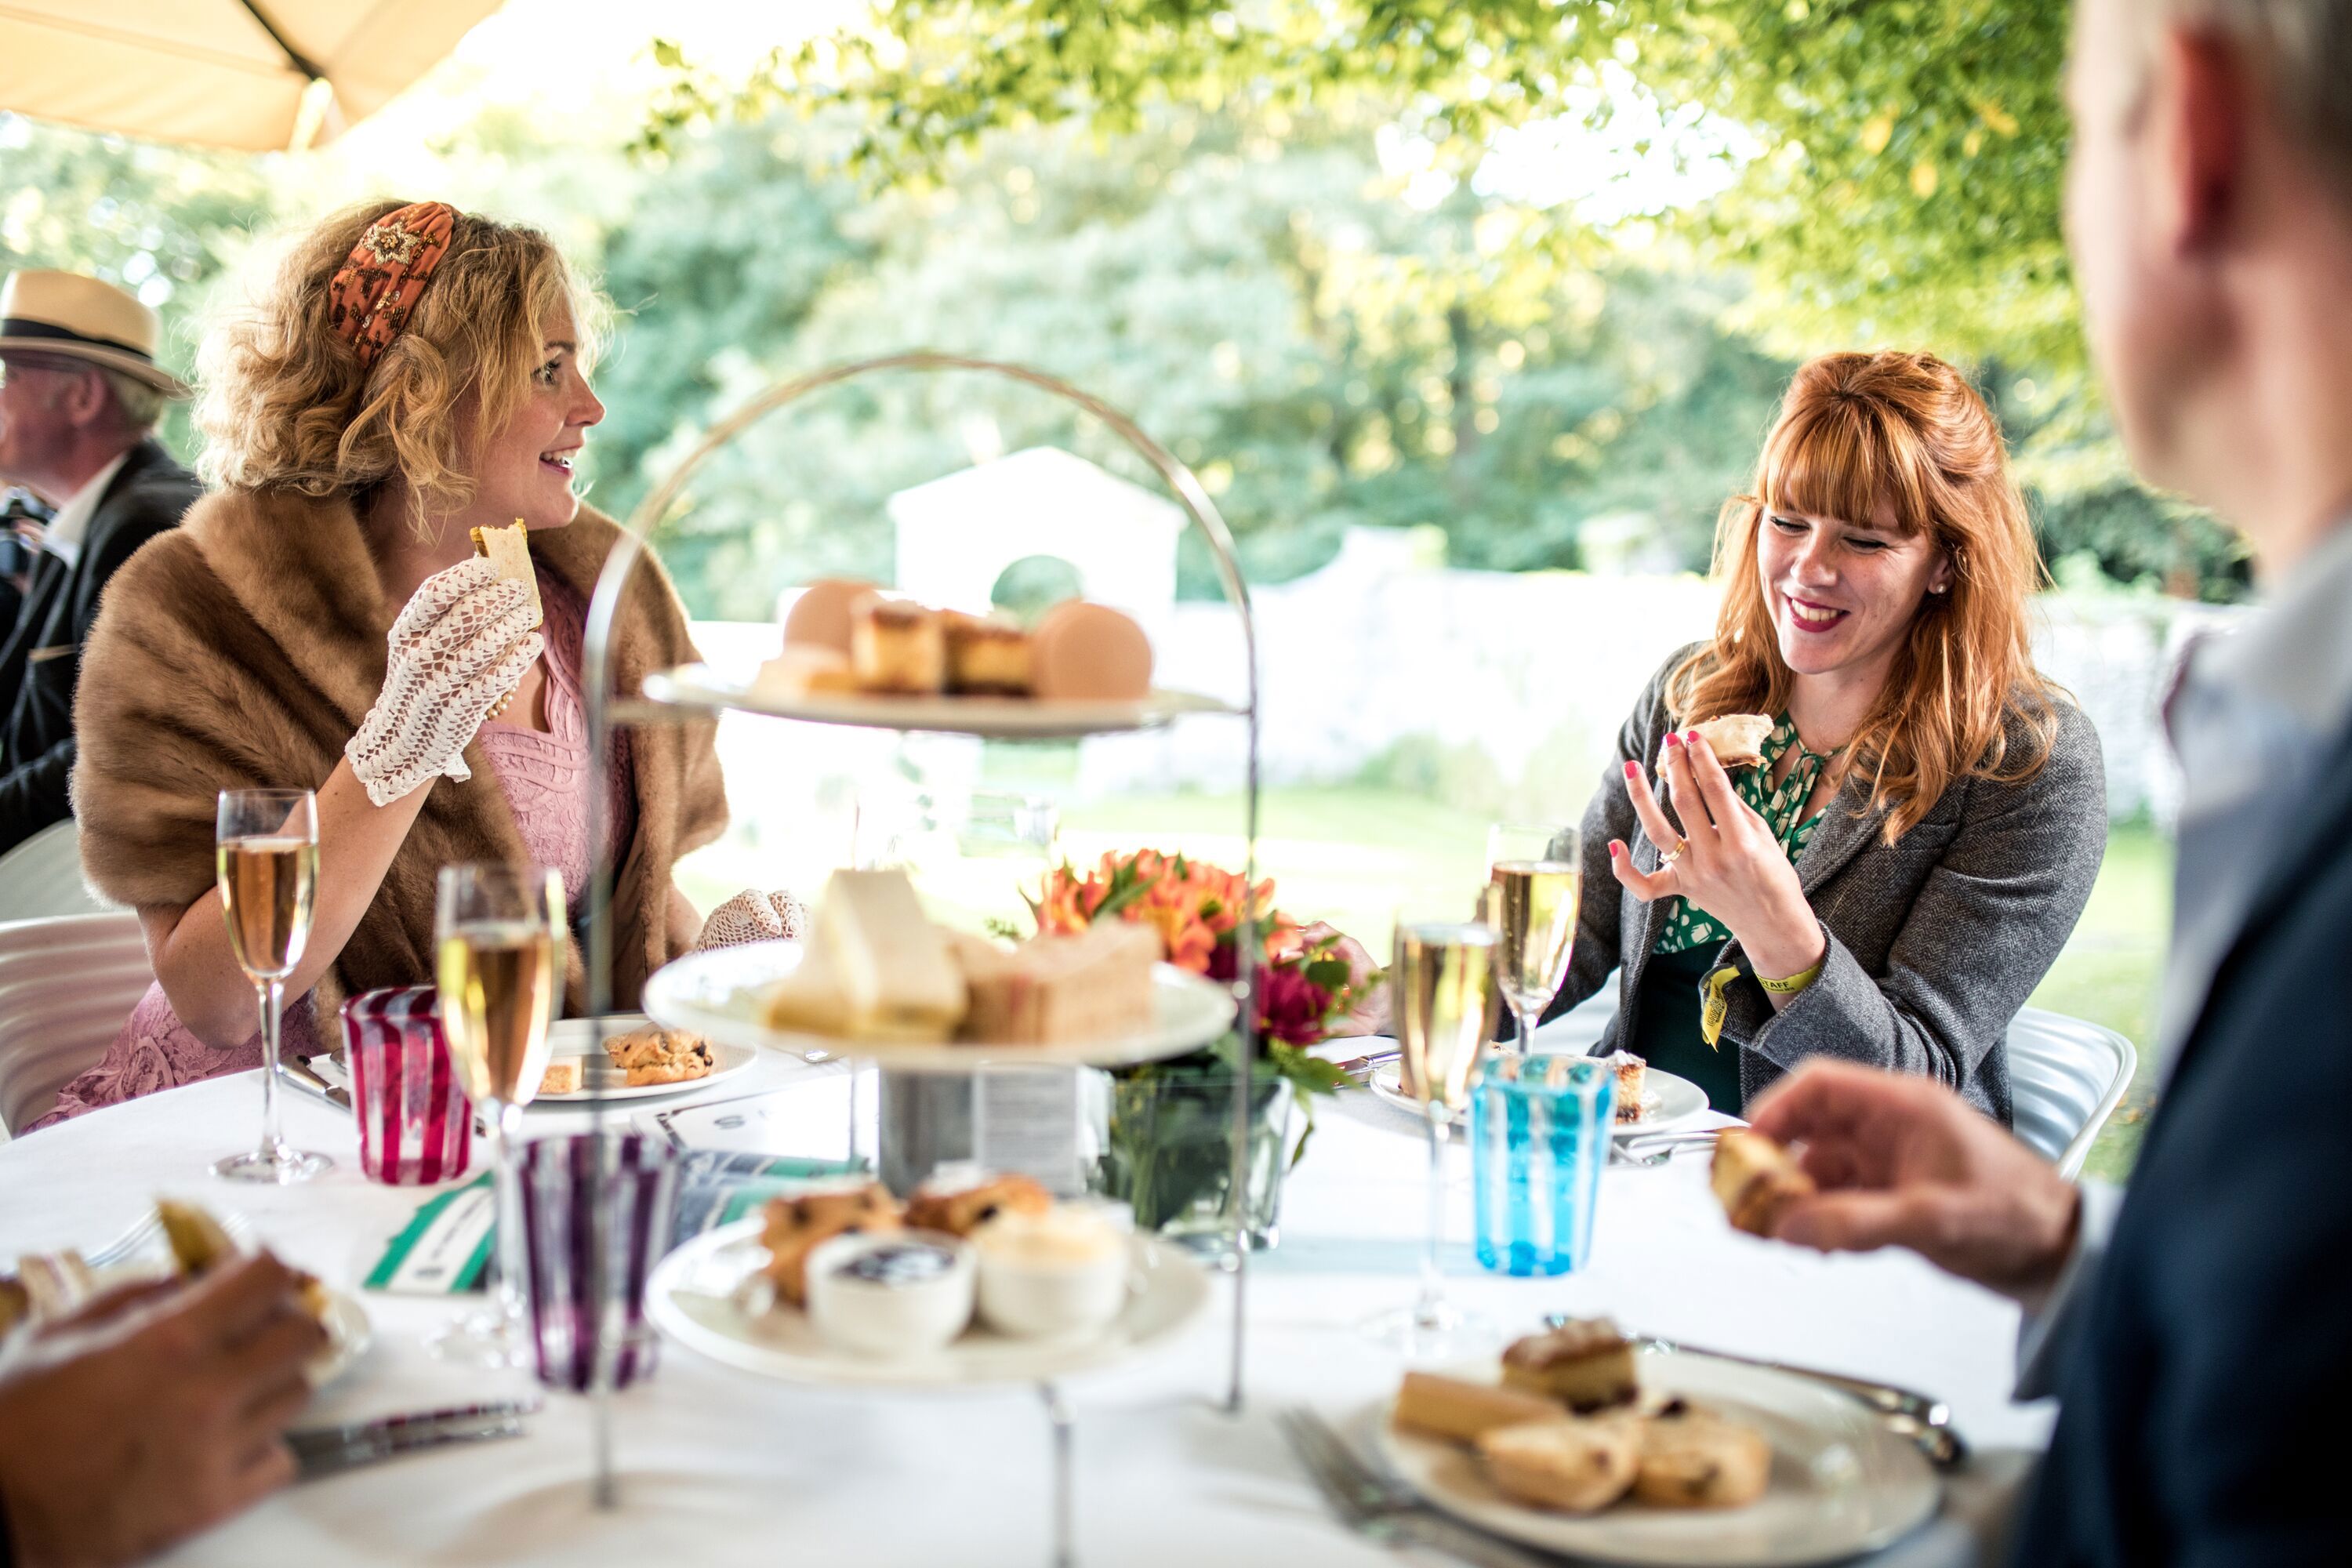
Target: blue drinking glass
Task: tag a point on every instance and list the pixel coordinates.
(1539, 1132)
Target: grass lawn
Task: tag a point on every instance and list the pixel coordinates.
(1353, 857)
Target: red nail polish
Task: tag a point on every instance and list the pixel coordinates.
(1616, 848)
(1633, 770)
(1673, 739)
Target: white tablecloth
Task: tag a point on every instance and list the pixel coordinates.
(721, 1467)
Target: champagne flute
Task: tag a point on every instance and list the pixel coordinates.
(1537, 872)
(1439, 987)
(266, 843)
(498, 929)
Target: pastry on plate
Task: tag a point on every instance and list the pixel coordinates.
(986, 658)
(804, 669)
(896, 649)
(960, 1209)
(1737, 738)
(792, 1227)
(1585, 1364)
(1693, 1459)
(1568, 1464)
(508, 550)
(1632, 1072)
(1754, 1178)
(560, 1078)
(1460, 1411)
(655, 1055)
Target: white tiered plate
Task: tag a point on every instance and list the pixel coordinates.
(694, 1297)
(715, 994)
(1667, 1100)
(1843, 1482)
(1002, 718)
(575, 1039)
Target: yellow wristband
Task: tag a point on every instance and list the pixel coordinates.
(1795, 983)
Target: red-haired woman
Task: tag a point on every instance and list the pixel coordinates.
(1899, 871)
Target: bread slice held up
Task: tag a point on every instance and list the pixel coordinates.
(1737, 738)
(508, 550)
(1755, 1180)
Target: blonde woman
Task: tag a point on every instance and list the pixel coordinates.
(1898, 873)
(320, 621)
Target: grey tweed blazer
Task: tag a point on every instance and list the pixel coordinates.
(1933, 944)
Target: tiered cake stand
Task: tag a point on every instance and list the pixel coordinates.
(677, 696)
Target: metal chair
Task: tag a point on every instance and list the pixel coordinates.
(66, 986)
(2066, 1076)
(42, 877)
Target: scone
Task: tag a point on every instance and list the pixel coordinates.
(654, 1055)
(1693, 1459)
(1570, 1463)
(1737, 738)
(896, 649)
(793, 1226)
(1754, 1179)
(959, 1211)
(1462, 1412)
(1585, 1366)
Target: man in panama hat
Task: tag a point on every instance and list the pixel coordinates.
(79, 395)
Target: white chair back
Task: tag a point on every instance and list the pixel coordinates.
(2067, 1077)
(42, 877)
(66, 987)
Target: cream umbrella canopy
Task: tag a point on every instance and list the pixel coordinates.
(221, 73)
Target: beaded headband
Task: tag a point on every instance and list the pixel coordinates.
(373, 291)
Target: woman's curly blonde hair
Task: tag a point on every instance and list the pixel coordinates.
(284, 404)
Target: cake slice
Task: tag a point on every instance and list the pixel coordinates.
(508, 550)
(1567, 1464)
(896, 647)
(986, 658)
(896, 980)
(1754, 1179)
(1462, 1412)
(1585, 1364)
(1093, 985)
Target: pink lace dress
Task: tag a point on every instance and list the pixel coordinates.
(544, 777)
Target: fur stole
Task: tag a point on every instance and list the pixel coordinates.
(241, 649)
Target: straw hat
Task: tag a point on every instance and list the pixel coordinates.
(70, 316)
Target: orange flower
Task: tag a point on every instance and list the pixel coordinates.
(1191, 903)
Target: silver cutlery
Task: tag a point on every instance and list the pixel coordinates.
(1926, 1422)
(314, 1462)
(1381, 1508)
(358, 1432)
(1360, 1068)
(305, 1077)
(147, 1230)
(1656, 1148)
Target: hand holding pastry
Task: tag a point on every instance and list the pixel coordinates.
(1723, 859)
(457, 649)
(754, 916)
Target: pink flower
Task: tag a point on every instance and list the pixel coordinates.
(1291, 1007)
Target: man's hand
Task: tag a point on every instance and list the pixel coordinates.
(1903, 1162)
(151, 1414)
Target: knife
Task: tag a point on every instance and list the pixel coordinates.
(319, 1439)
(305, 1077)
(313, 1464)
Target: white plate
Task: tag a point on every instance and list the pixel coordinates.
(1842, 1482)
(693, 1297)
(1010, 718)
(574, 1039)
(1667, 1100)
(715, 994)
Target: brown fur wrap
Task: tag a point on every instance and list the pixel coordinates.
(241, 649)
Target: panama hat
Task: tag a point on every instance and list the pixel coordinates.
(70, 316)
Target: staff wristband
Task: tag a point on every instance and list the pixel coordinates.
(1794, 982)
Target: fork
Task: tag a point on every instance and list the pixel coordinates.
(145, 1231)
(1379, 1507)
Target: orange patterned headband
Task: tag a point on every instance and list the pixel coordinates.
(373, 292)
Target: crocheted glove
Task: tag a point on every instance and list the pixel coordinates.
(461, 644)
(753, 915)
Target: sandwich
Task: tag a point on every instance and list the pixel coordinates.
(1755, 1179)
(508, 550)
(1737, 738)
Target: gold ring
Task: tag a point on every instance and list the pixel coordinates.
(1671, 856)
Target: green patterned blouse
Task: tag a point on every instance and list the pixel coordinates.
(1780, 805)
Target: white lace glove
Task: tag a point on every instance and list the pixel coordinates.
(461, 644)
(753, 915)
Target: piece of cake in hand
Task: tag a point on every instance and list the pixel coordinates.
(1460, 1411)
(1755, 1179)
(1092, 985)
(792, 1227)
(1568, 1464)
(1737, 738)
(896, 649)
(1585, 1364)
(986, 658)
(1693, 1459)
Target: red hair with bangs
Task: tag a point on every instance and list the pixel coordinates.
(1906, 431)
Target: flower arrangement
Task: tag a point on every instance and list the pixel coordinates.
(1170, 1152)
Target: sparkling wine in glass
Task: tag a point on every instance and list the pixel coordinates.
(498, 932)
(1440, 984)
(266, 849)
(1536, 872)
